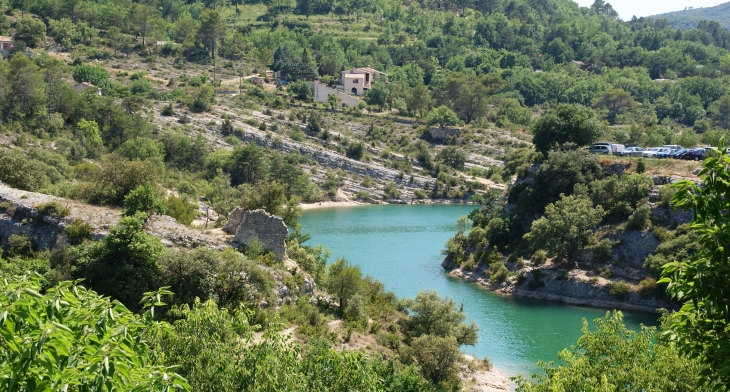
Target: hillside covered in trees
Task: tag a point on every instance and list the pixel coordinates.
(165, 107)
(690, 17)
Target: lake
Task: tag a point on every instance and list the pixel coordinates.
(400, 245)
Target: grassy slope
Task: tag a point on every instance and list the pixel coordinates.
(688, 19)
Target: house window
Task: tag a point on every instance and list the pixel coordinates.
(367, 77)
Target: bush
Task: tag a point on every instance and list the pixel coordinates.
(143, 199)
(391, 191)
(620, 290)
(54, 209)
(168, 110)
(498, 272)
(602, 250)
(183, 211)
(20, 245)
(640, 218)
(356, 151)
(539, 257)
(535, 281)
(647, 288)
(77, 231)
(640, 166)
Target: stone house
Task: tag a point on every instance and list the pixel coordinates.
(83, 86)
(6, 43)
(322, 92)
(358, 80)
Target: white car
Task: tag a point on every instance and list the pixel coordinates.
(650, 153)
(632, 152)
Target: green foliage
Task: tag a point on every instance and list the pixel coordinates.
(143, 199)
(78, 231)
(640, 166)
(680, 245)
(21, 172)
(356, 151)
(433, 316)
(699, 281)
(442, 116)
(96, 75)
(302, 90)
(566, 125)
(124, 264)
(30, 31)
(647, 288)
(47, 345)
(142, 148)
(614, 357)
(54, 209)
(438, 357)
(566, 227)
(620, 290)
(20, 245)
(183, 211)
(602, 250)
(452, 156)
(118, 177)
(201, 98)
(639, 219)
(343, 281)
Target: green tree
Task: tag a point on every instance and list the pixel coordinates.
(143, 199)
(431, 315)
(124, 264)
(93, 74)
(452, 156)
(247, 164)
(566, 227)
(302, 90)
(46, 344)
(24, 95)
(442, 116)
(720, 112)
(183, 211)
(31, 31)
(567, 123)
(211, 29)
(377, 95)
(438, 357)
(616, 101)
(699, 327)
(343, 281)
(418, 99)
(614, 358)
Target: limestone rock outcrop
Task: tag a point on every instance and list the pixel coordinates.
(270, 230)
(235, 218)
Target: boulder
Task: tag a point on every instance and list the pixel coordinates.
(268, 229)
(234, 220)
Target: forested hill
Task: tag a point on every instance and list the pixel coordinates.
(691, 17)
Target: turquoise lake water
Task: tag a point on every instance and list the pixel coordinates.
(401, 246)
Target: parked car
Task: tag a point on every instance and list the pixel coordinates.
(698, 154)
(677, 154)
(663, 152)
(599, 149)
(672, 147)
(631, 152)
(650, 153)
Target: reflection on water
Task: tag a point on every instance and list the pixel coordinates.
(401, 246)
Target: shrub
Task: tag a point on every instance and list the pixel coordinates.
(183, 211)
(498, 272)
(77, 231)
(356, 151)
(539, 257)
(143, 199)
(419, 194)
(391, 191)
(168, 110)
(20, 245)
(647, 288)
(602, 250)
(640, 166)
(640, 218)
(54, 209)
(620, 290)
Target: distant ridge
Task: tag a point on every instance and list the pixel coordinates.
(688, 19)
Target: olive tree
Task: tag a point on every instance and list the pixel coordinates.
(566, 227)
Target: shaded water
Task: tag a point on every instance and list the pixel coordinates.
(401, 246)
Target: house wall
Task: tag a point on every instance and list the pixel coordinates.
(322, 92)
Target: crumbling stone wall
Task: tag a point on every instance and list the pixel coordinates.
(270, 230)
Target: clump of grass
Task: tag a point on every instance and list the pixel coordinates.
(54, 209)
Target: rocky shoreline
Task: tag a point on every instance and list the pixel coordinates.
(573, 288)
